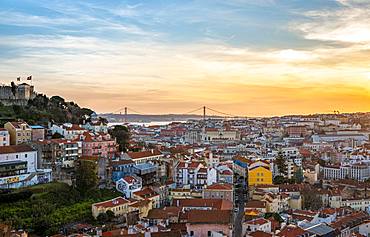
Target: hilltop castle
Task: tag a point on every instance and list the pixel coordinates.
(18, 94)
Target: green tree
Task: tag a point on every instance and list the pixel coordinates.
(122, 135)
(298, 175)
(281, 164)
(311, 200)
(86, 177)
(57, 136)
(279, 179)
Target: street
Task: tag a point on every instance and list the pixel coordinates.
(240, 198)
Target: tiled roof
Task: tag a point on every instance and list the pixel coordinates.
(209, 217)
(219, 204)
(15, 149)
(112, 203)
(146, 193)
(220, 186)
(143, 154)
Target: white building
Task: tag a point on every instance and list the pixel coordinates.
(18, 167)
(68, 130)
(4, 137)
(351, 171)
(128, 185)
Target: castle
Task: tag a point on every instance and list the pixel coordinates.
(18, 94)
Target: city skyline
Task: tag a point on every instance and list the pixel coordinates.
(251, 58)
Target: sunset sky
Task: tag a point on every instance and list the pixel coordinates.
(244, 57)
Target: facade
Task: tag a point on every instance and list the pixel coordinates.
(18, 167)
(259, 173)
(20, 132)
(219, 191)
(37, 132)
(4, 137)
(55, 153)
(208, 223)
(240, 165)
(219, 135)
(148, 194)
(68, 131)
(96, 127)
(187, 173)
(121, 168)
(98, 144)
(128, 185)
(352, 171)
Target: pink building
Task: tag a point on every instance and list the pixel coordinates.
(98, 144)
(208, 222)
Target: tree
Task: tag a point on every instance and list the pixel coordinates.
(311, 200)
(86, 176)
(298, 175)
(281, 164)
(103, 120)
(110, 215)
(122, 135)
(279, 179)
(57, 136)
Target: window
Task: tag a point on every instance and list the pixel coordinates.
(191, 233)
(209, 233)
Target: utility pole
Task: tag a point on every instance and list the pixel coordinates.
(125, 114)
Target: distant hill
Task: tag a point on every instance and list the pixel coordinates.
(151, 118)
(41, 110)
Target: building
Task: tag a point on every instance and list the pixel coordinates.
(121, 168)
(296, 131)
(18, 167)
(192, 173)
(259, 224)
(37, 132)
(57, 153)
(119, 206)
(4, 137)
(98, 144)
(18, 94)
(219, 135)
(240, 165)
(208, 223)
(96, 127)
(359, 171)
(128, 185)
(259, 173)
(68, 131)
(219, 191)
(148, 194)
(20, 132)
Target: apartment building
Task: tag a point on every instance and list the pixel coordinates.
(20, 132)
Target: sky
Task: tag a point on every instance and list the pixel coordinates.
(243, 57)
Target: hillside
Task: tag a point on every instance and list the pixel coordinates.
(42, 109)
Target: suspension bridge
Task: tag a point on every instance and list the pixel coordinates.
(204, 111)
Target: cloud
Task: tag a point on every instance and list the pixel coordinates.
(349, 23)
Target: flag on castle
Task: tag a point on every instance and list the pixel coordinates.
(29, 78)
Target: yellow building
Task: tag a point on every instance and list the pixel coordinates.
(259, 173)
(20, 132)
(119, 206)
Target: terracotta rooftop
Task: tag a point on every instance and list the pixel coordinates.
(143, 154)
(112, 203)
(220, 186)
(209, 217)
(15, 149)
